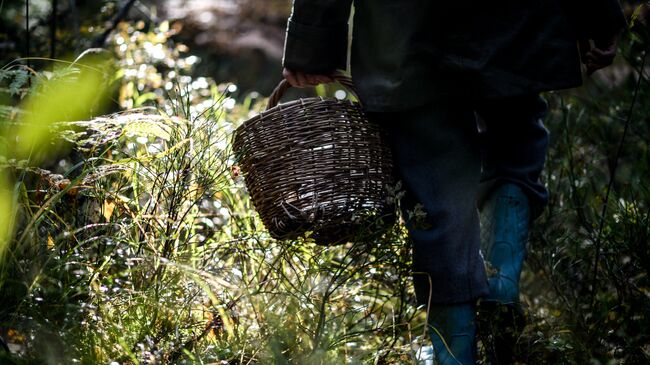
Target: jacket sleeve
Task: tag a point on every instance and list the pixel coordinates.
(317, 36)
(595, 18)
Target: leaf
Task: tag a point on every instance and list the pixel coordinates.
(20, 79)
(9, 113)
(145, 127)
(73, 97)
(144, 98)
(8, 206)
(108, 209)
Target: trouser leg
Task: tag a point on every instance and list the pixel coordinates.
(436, 156)
(514, 145)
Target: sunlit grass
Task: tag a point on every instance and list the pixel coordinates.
(174, 262)
(124, 238)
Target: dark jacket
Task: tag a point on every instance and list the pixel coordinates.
(405, 53)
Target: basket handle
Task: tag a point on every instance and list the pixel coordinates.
(284, 85)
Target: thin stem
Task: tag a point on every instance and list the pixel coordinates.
(53, 26)
(27, 37)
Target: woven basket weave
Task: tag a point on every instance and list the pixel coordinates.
(315, 165)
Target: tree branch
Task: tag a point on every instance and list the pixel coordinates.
(124, 11)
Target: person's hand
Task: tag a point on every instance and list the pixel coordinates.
(301, 79)
(598, 55)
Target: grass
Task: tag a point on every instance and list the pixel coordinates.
(126, 238)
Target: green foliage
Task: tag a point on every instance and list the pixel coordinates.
(127, 238)
(145, 248)
(589, 275)
(18, 79)
(173, 267)
(78, 24)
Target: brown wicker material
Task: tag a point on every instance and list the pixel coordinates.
(315, 165)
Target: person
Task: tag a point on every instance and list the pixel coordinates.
(427, 71)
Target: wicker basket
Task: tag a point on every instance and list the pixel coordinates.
(316, 165)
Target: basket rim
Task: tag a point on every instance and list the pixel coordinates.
(280, 107)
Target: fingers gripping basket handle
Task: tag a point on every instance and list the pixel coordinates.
(284, 86)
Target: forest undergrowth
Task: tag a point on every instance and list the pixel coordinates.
(127, 236)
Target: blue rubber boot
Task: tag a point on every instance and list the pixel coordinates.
(504, 228)
(505, 222)
(452, 329)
